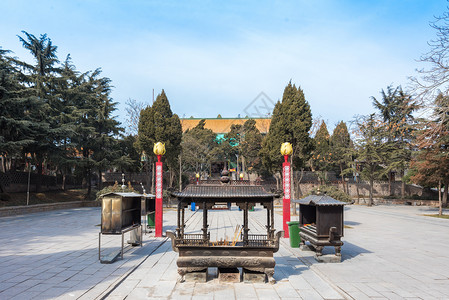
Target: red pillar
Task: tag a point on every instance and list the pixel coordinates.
(286, 201)
(159, 210)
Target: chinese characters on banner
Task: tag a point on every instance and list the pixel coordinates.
(286, 201)
(159, 181)
(158, 208)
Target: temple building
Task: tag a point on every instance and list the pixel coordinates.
(221, 126)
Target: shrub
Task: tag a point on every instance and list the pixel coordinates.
(333, 192)
(5, 197)
(116, 188)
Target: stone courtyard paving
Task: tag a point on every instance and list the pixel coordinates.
(390, 252)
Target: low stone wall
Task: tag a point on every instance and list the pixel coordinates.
(361, 189)
(412, 202)
(20, 210)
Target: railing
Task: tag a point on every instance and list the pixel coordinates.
(231, 182)
(22, 178)
(193, 240)
(259, 240)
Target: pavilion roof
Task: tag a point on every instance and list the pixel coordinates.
(224, 191)
(319, 200)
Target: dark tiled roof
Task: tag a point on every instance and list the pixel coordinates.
(129, 194)
(224, 191)
(319, 200)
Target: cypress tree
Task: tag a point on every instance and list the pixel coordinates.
(251, 146)
(291, 122)
(16, 110)
(157, 123)
(341, 146)
(197, 147)
(322, 155)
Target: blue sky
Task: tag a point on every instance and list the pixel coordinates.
(216, 57)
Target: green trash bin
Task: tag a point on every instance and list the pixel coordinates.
(151, 219)
(293, 229)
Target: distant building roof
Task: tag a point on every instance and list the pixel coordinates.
(223, 125)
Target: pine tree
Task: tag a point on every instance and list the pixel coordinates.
(16, 130)
(197, 147)
(321, 156)
(68, 92)
(291, 122)
(396, 108)
(250, 147)
(157, 123)
(41, 78)
(371, 150)
(341, 146)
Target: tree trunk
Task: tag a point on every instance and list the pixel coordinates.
(402, 185)
(63, 178)
(3, 164)
(152, 177)
(89, 182)
(389, 184)
(244, 165)
(371, 188)
(440, 203)
(100, 179)
(446, 183)
(180, 172)
(39, 177)
(277, 181)
(172, 178)
(343, 179)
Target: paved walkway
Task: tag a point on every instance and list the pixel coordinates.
(157, 276)
(390, 252)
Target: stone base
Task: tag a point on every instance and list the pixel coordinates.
(197, 276)
(253, 276)
(306, 247)
(228, 275)
(328, 258)
(110, 258)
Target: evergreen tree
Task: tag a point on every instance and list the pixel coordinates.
(129, 157)
(16, 128)
(68, 92)
(291, 122)
(321, 156)
(197, 147)
(396, 108)
(98, 129)
(40, 78)
(250, 147)
(371, 150)
(157, 123)
(341, 146)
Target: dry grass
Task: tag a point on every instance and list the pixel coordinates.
(438, 216)
(17, 199)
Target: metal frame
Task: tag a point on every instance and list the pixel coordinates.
(254, 252)
(123, 240)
